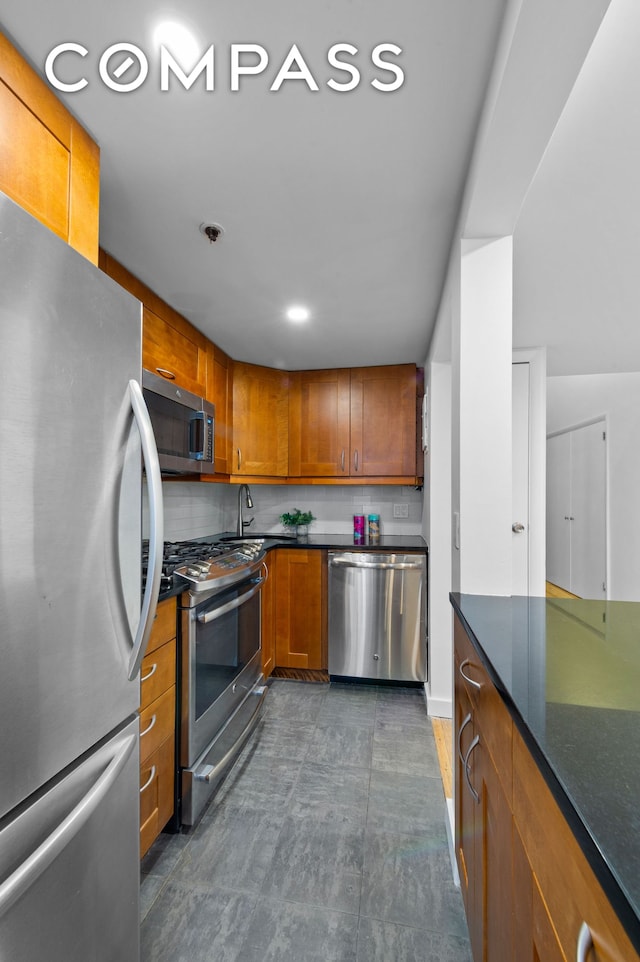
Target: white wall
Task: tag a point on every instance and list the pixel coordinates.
(437, 533)
(481, 425)
(335, 505)
(573, 399)
(193, 510)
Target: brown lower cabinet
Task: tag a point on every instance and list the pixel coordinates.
(157, 726)
(526, 884)
(299, 617)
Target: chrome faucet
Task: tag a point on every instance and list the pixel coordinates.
(248, 503)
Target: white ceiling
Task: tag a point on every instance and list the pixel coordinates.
(577, 241)
(344, 202)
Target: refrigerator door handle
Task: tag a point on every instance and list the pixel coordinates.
(156, 531)
(28, 871)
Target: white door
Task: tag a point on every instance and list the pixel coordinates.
(559, 510)
(588, 511)
(520, 479)
(576, 510)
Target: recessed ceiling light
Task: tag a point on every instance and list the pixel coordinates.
(178, 40)
(298, 314)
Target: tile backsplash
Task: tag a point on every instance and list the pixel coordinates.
(194, 510)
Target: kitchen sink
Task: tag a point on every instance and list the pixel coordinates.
(240, 539)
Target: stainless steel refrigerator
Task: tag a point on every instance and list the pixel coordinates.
(73, 621)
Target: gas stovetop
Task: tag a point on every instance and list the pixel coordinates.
(205, 564)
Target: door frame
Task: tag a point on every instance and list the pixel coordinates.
(536, 358)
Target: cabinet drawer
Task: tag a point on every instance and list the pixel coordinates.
(567, 883)
(158, 673)
(164, 625)
(157, 722)
(156, 793)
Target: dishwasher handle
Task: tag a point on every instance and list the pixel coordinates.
(381, 565)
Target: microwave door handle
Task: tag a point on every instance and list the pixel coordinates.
(197, 431)
(156, 528)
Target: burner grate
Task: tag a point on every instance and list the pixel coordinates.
(177, 553)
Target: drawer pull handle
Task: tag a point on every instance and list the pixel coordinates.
(585, 943)
(149, 727)
(149, 673)
(239, 457)
(149, 780)
(470, 681)
(462, 728)
(163, 372)
(356, 460)
(474, 744)
(342, 461)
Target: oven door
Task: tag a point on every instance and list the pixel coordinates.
(221, 663)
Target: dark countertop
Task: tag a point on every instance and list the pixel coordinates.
(569, 672)
(386, 542)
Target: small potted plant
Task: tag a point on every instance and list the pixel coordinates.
(299, 521)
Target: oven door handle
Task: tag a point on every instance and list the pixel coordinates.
(208, 616)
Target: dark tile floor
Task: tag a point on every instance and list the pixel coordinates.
(326, 842)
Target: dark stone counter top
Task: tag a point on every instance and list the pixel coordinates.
(569, 672)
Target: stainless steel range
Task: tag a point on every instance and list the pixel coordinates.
(220, 665)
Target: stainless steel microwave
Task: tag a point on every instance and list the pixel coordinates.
(183, 424)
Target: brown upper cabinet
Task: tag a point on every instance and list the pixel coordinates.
(319, 419)
(358, 423)
(171, 346)
(48, 163)
(220, 393)
(260, 421)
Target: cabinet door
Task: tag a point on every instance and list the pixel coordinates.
(50, 165)
(383, 420)
(260, 421)
(175, 351)
(220, 393)
(569, 891)
(319, 423)
(534, 936)
(495, 836)
(300, 621)
(171, 346)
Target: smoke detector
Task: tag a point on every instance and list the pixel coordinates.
(212, 232)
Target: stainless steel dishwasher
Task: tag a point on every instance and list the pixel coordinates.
(377, 615)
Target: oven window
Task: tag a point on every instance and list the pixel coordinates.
(226, 644)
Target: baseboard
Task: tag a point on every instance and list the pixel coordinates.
(439, 707)
(451, 834)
